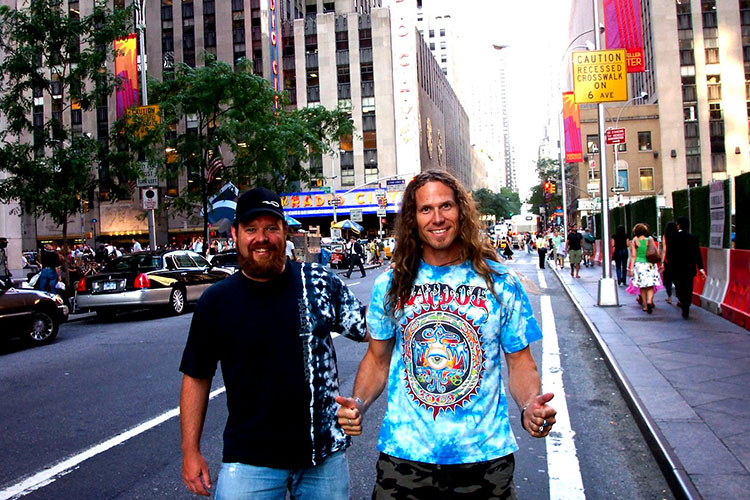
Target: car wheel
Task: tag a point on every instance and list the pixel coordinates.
(177, 301)
(42, 328)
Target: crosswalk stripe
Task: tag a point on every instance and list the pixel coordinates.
(565, 481)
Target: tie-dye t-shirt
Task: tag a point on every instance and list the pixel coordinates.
(446, 402)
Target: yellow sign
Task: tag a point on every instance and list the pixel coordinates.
(600, 76)
(148, 118)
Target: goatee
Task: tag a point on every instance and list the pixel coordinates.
(265, 269)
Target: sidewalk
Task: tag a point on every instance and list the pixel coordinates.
(686, 382)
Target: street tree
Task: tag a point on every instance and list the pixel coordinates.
(232, 109)
(500, 205)
(48, 55)
(547, 169)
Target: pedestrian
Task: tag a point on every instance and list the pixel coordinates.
(553, 244)
(136, 246)
(355, 256)
(560, 254)
(645, 274)
(684, 258)
(573, 249)
(289, 248)
(278, 364)
(5, 273)
(50, 275)
(508, 251)
(541, 249)
(440, 321)
(588, 247)
(619, 244)
(666, 269)
(528, 242)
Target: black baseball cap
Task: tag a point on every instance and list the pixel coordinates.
(258, 201)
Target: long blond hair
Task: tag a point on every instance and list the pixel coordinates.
(408, 253)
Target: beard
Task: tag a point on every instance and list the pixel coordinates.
(267, 268)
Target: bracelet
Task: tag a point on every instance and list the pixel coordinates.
(523, 410)
(359, 401)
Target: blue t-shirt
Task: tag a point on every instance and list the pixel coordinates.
(446, 402)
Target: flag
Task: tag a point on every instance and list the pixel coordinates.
(126, 69)
(623, 30)
(572, 125)
(214, 166)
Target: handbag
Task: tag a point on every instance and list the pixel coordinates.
(652, 254)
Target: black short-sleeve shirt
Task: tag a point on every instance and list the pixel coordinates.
(273, 342)
(574, 241)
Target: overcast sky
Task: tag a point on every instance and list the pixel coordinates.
(536, 35)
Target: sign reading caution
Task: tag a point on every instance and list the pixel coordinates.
(600, 76)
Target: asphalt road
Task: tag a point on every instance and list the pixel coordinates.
(66, 406)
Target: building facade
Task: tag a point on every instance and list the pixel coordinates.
(697, 56)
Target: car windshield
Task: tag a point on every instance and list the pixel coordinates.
(140, 263)
(230, 258)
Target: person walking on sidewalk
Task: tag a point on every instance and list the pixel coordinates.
(666, 269)
(355, 256)
(278, 364)
(684, 257)
(619, 244)
(573, 249)
(541, 249)
(645, 274)
(51, 265)
(440, 321)
(588, 248)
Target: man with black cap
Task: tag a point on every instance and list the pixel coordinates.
(269, 326)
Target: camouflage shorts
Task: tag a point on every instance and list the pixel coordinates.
(404, 479)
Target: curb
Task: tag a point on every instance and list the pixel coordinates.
(674, 472)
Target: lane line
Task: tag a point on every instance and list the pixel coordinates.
(564, 471)
(53, 472)
(541, 278)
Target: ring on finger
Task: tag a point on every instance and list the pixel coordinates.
(349, 421)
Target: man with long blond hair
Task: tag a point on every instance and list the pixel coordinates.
(440, 321)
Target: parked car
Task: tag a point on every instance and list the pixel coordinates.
(161, 278)
(30, 314)
(226, 259)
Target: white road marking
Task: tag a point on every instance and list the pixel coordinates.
(51, 473)
(353, 283)
(541, 278)
(565, 481)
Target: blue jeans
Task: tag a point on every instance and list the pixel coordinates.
(621, 264)
(326, 481)
(48, 280)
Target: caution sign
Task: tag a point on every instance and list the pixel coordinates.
(600, 76)
(146, 118)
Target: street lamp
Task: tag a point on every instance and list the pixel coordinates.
(560, 125)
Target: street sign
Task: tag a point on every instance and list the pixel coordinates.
(592, 187)
(380, 193)
(148, 178)
(381, 212)
(356, 214)
(600, 76)
(327, 189)
(395, 185)
(336, 201)
(150, 198)
(618, 189)
(615, 136)
(94, 221)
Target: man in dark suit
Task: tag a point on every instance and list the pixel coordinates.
(355, 257)
(684, 257)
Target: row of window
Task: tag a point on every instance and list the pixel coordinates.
(645, 178)
(644, 143)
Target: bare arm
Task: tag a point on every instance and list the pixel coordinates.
(525, 387)
(370, 382)
(193, 405)
(633, 251)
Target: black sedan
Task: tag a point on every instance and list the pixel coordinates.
(162, 278)
(226, 259)
(31, 315)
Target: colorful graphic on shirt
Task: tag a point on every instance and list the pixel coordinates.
(443, 354)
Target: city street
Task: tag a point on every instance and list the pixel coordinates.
(94, 414)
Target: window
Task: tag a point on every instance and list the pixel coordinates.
(368, 105)
(369, 138)
(346, 143)
(432, 45)
(647, 179)
(442, 31)
(644, 141)
(592, 143)
(432, 33)
(442, 45)
(621, 180)
(622, 148)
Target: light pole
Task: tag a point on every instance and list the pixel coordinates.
(140, 25)
(561, 126)
(607, 295)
